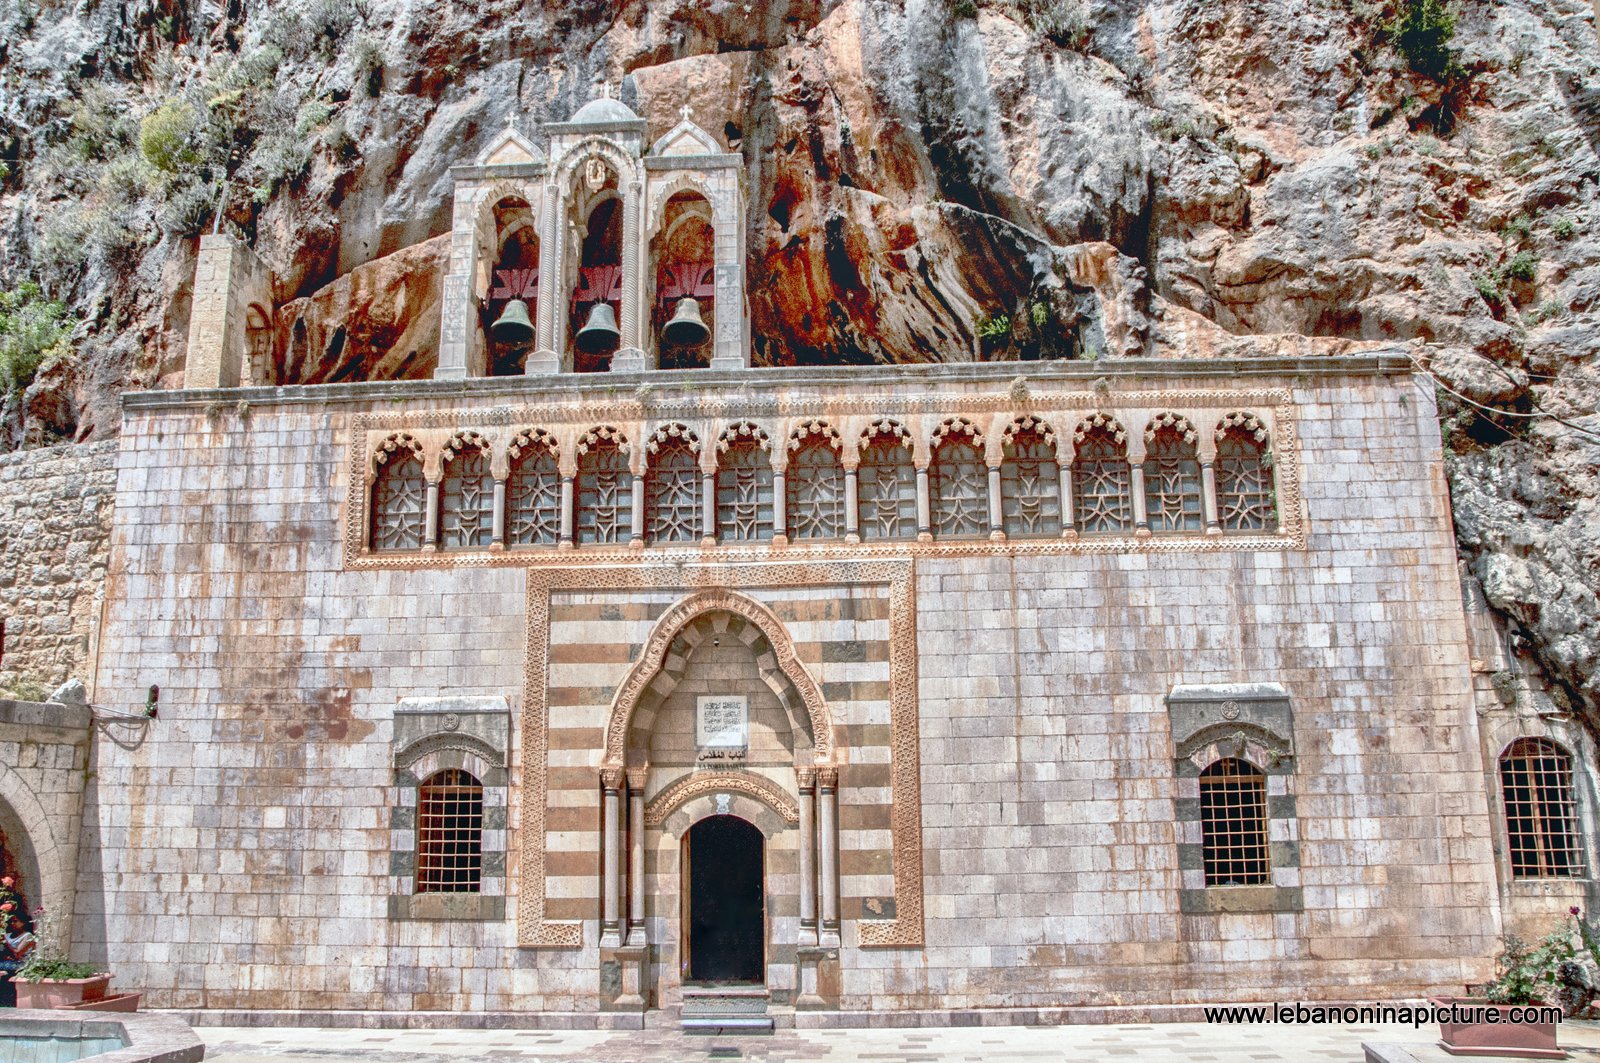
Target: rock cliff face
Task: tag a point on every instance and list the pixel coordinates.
(1263, 171)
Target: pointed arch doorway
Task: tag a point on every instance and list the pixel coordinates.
(724, 894)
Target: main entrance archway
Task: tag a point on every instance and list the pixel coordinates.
(725, 925)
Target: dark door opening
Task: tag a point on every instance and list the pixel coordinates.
(727, 901)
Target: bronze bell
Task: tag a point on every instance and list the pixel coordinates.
(512, 326)
(686, 326)
(600, 331)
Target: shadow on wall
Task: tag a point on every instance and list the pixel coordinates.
(380, 321)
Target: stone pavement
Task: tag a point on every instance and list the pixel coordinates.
(1162, 1043)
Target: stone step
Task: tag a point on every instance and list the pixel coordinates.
(716, 1026)
(724, 1010)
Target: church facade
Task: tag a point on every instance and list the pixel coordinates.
(608, 686)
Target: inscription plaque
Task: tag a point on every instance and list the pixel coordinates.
(722, 726)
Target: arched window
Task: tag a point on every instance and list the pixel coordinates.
(466, 495)
(398, 496)
(1030, 481)
(815, 483)
(1101, 480)
(1541, 819)
(1171, 475)
(958, 482)
(887, 484)
(533, 491)
(744, 485)
(1233, 824)
(449, 833)
(672, 487)
(604, 489)
(1246, 497)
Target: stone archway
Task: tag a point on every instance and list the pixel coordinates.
(30, 846)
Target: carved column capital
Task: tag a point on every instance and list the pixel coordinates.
(806, 779)
(611, 778)
(828, 778)
(637, 777)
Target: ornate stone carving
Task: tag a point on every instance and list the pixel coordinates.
(694, 785)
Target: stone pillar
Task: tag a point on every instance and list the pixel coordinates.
(780, 508)
(997, 520)
(545, 358)
(828, 844)
(430, 517)
(630, 356)
(729, 349)
(611, 907)
(228, 280)
(636, 511)
(808, 855)
(1069, 516)
(1141, 515)
(924, 507)
(636, 781)
(708, 508)
(1208, 497)
(568, 513)
(497, 537)
(852, 505)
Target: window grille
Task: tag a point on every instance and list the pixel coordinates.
(816, 490)
(887, 488)
(1246, 498)
(1541, 820)
(1030, 486)
(604, 489)
(1102, 484)
(398, 496)
(1233, 824)
(533, 498)
(744, 492)
(958, 488)
(466, 501)
(672, 493)
(449, 833)
(1172, 482)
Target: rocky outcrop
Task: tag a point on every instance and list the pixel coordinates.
(1082, 178)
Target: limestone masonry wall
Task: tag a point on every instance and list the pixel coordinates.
(55, 524)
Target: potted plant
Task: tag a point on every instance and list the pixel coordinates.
(47, 978)
(1495, 1023)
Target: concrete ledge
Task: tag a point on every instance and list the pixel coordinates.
(1385, 1053)
(150, 1038)
(46, 714)
(1136, 371)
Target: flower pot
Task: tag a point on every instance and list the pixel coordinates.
(114, 1002)
(1522, 1040)
(54, 992)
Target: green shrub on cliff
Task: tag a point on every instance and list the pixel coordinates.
(33, 330)
(1421, 31)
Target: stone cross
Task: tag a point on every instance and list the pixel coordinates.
(686, 111)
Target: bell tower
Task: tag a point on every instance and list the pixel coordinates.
(605, 256)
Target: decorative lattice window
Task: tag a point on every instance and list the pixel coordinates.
(887, 484)
(672, 487)
(1541, 819)
(466, 495)
(533, 492)
(449, 833)
(1246, 496)
(604, 491)
(815, 484)
(744, 485)
(399, 496)
(1101, 479)
(1233, 824)
(1030, 481)
(958, 482)
(1172, 475)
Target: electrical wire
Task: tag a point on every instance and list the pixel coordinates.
(1431, 375)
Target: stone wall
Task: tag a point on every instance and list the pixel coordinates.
(55, 523)
(242, 852)
(43, 763)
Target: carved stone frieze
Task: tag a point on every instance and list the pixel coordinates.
(697, 783)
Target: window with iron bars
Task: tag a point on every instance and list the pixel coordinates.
(1541, 818)
(449, 833)
(466, 501)
(398, 496)
(1233, 824)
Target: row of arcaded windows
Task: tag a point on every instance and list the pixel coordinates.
(816, 495)
(1535, 776)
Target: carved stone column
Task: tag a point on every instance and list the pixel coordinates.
(852, 505)
(636, 781)
(924, 507)
(630, 356)
(1141, 514)
(708, 507)
(1069, 516)
(636, 503)
(807, 779)
(545, 358)
(568, 513)
(997, 520)
(430, 517)
(611, 905)
(497, 536)
(828, 844)
(780, 506)
(1208, 497)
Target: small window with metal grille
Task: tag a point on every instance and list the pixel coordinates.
(449, 833)
(1233, 824)
(1541, 819)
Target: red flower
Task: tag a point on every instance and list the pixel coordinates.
(1573, 909)
(6, 907)
(8, 882)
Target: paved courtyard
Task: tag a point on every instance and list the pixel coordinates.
(1163, 1043)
